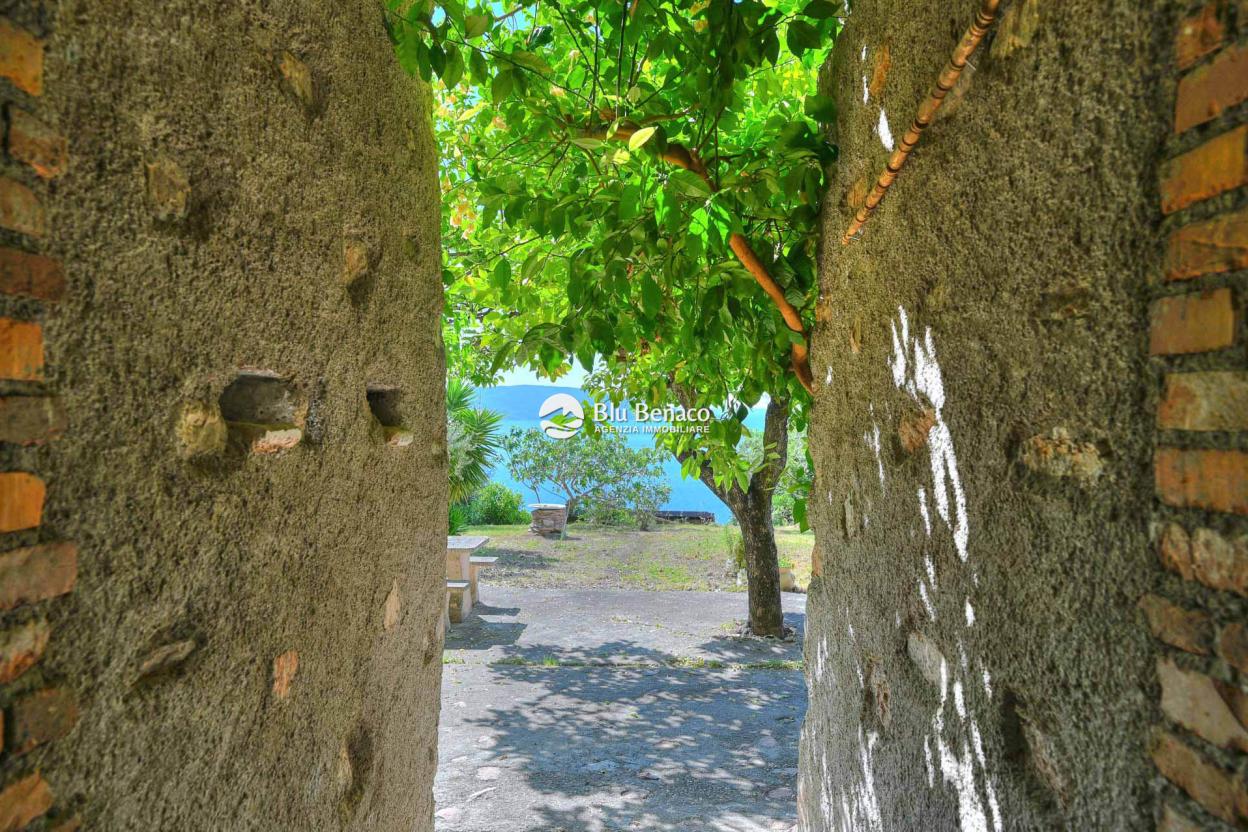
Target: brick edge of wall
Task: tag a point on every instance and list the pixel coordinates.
(1196, 344)
(35, 571)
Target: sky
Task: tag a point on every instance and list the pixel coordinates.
(525, 376)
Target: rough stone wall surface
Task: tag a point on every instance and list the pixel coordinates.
(221, 599)
(984, 426)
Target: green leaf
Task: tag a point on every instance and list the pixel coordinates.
(501, 276)
(690, 183)
(822, 9)
(641, 137)
(504, 82)
(454, 70)
(530, 61)
(475, 25)
(651, 296)
(801, 36)
(477, 67)
(820, 108)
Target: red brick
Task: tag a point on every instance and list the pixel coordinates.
(1206, 556)
(1207, 91)
(1197, 322)
(41, 717)
(1196, 702)
(21, 501)
(20, 209)
(1189, 630)
(38, 145)
(21, 648)
(31, 275)
(1214, 167)
(30, 420)
(1204, 402)
(1209, 247)
(1214, 480)
(37, 573)
(1233, 646)
(21, 350)
(24, 801)
(1199, 35)
(21, 58)
(1218, 790)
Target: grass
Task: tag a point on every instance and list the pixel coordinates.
(675, 556)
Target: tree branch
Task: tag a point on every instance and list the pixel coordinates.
(683, 157)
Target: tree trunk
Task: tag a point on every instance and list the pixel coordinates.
(752, 510)
(762, 564)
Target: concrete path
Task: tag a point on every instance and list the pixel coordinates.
(611, 710)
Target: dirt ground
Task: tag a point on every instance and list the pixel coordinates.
(675, 556)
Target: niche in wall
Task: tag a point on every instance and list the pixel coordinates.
(265, 413)
(385, 405)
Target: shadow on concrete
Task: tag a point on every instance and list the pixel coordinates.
(565, 746)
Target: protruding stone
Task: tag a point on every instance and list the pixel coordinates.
(200, 429)
(166, 657)
(168, 190)
(298, 79)
(266, 439)
(355, 262)
(914, 429)
(285, 667)
(1017, 28)
(926, 657)
(1057, 455)
(397, 437)
(393, 608)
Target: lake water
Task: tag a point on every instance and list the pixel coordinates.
(519, 406)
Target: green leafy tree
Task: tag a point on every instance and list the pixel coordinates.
(637, 185)
(598, 469)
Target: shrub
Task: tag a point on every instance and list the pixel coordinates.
(456, 519)
(496, 505)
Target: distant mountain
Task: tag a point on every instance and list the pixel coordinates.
(522, 401)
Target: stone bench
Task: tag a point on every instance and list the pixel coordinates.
(475, 564)
(459, 549)
(458, 601)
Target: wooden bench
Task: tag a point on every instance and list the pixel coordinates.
(457, 601)
(475, 564)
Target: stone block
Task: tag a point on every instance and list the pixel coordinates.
(36, 573)
(35, 143)
(31, 275)
(1189, 630)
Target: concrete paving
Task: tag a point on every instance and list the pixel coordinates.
(612, 710)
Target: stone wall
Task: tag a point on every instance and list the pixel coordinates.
(222, 450)
(986, 425)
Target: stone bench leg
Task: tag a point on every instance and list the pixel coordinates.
(474, 573)
(459, 606)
